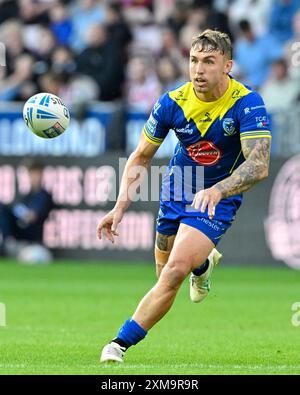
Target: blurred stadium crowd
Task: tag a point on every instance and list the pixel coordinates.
(133, 50)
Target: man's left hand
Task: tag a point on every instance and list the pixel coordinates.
(207, 198)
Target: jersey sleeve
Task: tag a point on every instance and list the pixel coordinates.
(253, 117)
(158, 124)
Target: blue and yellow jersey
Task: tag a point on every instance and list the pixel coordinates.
(209, 133)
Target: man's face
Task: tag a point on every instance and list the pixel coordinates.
(207, 69)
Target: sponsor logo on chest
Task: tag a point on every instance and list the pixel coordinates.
(205, 153)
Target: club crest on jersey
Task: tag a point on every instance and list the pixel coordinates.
(205, 153)
(229, 127)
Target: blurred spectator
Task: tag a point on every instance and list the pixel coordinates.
(63, 61)
(255, 54)
(102, 61)
(292, 49)
(11, 88)
(82, 90)
(56, 84)
(178, 17)
(8, 9)
(196, 22)
(11, 35)
(85, 44)
(117, 28)
(162, 9)
(218, 19)
(78, 90)
(146, 34)
(22, 224)
(47, 44)
(84, 14)
(17, 79)
(41, 48)
(134, 9)
(280, 91)
(256, 11)
(170, 45)
(61, 24)
(137, 3)
(281, 17)
(143, 87)
(35, 12)
(169, 73)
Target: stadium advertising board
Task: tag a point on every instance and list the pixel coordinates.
(84, 189)
(282, 224)
(264, 230)
(89, 136)
(84, 138)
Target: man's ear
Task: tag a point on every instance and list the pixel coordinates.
(228, 66)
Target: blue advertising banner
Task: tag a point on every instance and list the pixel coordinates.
(85, 138)
(101, 128)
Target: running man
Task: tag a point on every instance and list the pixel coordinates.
(222, 126)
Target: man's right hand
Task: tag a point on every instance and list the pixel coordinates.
(109, 224)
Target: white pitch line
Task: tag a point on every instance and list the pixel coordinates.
(203, 366)
(151, 366)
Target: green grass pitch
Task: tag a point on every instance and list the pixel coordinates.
(58, 317)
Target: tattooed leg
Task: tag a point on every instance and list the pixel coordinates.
(163, 247)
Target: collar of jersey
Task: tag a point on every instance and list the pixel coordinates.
(203, 113)
(213, 102)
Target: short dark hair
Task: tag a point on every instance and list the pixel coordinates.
(213, 40)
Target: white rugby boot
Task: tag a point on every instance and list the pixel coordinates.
(112, 352)
(200, 285)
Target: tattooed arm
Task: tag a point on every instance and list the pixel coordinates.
(254, 169)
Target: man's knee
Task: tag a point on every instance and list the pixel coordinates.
(174, 273)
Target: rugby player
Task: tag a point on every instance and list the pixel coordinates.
(222, 126)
